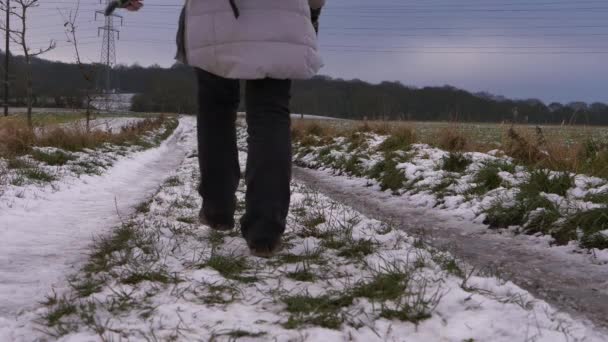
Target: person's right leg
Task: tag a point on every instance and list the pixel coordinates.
(268, 174)
(217, 149)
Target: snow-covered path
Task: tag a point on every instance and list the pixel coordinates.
(568, 281)
(42, 240)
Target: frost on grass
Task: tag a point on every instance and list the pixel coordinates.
(339, 276)
(471, 186)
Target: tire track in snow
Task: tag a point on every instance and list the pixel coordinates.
(46, 239)
(570, 283)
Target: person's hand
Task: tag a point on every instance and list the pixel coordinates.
(134, 5)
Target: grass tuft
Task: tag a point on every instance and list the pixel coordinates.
(230, 267)
(543, 181)
(455, 162)
(56, 158)
(399, 140)
(324, 311)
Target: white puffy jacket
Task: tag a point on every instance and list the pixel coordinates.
(270, 38)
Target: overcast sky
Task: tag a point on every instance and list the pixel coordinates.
(554, 50)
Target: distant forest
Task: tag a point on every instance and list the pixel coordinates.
(174, 90)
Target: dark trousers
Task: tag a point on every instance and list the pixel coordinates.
(268, 173)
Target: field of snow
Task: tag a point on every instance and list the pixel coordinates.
(152, 272)
(483, 188)
(340, 276)
(107, 124)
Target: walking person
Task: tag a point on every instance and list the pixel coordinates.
(268, 43)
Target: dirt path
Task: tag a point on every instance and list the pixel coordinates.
(568, 282)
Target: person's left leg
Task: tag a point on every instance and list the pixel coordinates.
(217, 148)
(268, 174)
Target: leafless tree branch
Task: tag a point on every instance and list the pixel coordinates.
(19, 36)
(69, 19)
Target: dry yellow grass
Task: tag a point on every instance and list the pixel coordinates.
(529, 145)
(16, 138)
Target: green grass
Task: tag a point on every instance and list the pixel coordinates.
(122, 239)
(27, 170)
(487, 179)
(313, 257)
(357, 249)
(441, 190)
(18, 164)
(313, 220)
(543, 181)
(591, 223)
(143, 207)
(56, 158)
(302, 275)
(87, 286)
(324, 311)
(237, 334)
(390, 289)
(351, 166)
(187, 220)
(230, 267)
(448, 263)
(173, 181)
(57, 312)
(600, 198)
(356, 141)
(398, 141)
(500, 215)
(221, 294)
(543, 221)
(383, 286)
(531, 210)
(387, 174)
(405, 313)
(455, 162)
(38, 175)
(152, 276)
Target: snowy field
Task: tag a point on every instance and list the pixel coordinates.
(120, 256)
(106, 124)
(557, 209)
(54, 221)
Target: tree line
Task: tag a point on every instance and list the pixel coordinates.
(173, 89)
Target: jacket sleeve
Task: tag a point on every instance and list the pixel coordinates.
(316, 4)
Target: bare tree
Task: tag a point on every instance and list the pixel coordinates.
(86, 70)
(19, 36)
